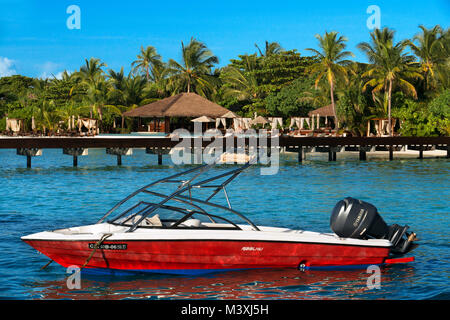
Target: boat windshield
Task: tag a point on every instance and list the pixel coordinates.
(189, 206)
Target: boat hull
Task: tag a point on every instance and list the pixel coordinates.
(204, 256)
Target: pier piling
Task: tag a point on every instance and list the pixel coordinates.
(29, 152)
(332, 151)
(391, 153)
(159, 152)
(75, 153)
(363, 152)
(300, 154)
(362, 155)
(159, 159)
(119, 152)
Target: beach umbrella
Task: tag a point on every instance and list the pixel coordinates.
(260, 120)
(230, 115)
(203, 119)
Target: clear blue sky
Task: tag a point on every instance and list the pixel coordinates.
(35, 41)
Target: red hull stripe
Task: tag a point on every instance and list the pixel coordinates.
(211, 255)
(399, 260)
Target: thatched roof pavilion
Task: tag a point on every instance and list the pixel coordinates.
(326, 111)
(181, 105)
(323, 112)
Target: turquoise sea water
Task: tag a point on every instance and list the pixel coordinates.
(53, 195)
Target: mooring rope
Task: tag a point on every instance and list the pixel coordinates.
(48, 263)
(96, 246)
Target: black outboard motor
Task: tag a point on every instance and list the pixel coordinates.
(352, 218)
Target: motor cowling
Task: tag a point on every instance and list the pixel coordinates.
(353, 218)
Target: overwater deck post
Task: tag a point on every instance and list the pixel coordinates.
(448, 151)
(362, 155)
(421, 152)
(158, 151)
(75, 153)
(29, 152)
(363, 152)
(119, 152)
(332, 153)
(391, 153)
(159, 159)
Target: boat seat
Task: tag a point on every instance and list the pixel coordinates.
(192, 223)
(147, 222)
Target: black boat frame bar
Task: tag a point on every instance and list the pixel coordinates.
(185, 186)
(187, 213)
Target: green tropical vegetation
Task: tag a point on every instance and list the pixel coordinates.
(407, 79)
(332, 63)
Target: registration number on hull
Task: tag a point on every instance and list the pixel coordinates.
(112, 246)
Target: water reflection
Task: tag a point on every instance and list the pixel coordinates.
(250, 284)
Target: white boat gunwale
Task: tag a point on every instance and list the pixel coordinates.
(266, 234)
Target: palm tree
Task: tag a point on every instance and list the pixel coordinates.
(270, 49)
(97, 91)
(47, 117)
(431, 52)
(332, 62)
(443, 69)
(194, 71)
(117, 86)
(391, 67)
(126, 90)
(135, 90)
(239, 84)
(354, 105)
(147, 61)
(92, 77)
(158, 78)
(92, 69)
(69, 110)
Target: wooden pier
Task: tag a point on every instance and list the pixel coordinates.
(119, 146)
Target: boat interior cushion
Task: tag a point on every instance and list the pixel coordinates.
(147, 222)
(192, 223)
(154, 221)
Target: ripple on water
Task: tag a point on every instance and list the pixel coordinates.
(52, 195)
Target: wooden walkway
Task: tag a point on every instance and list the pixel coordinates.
(29, 146)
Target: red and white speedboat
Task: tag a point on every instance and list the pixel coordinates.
(177, 235)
